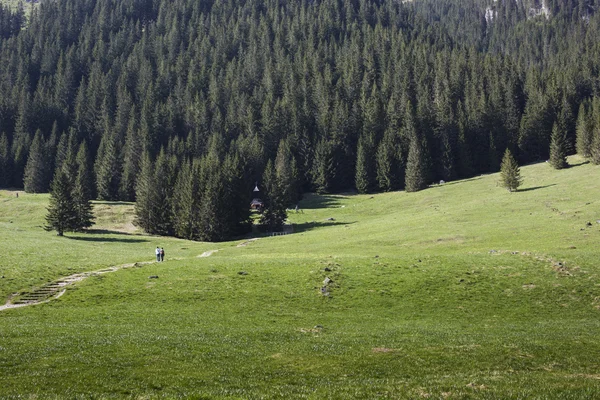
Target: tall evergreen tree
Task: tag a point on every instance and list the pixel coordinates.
(82, 190)
(186, 202)
(510, 172)
(5, 170)
(163, 183)
(585, 132)
(61, 215)
(132, 158)
(275, 213)
(323, 169)
(287, 173)
(36, 168)
(416, 163)
(145, 194)
(558, 148)
(595, 147)
(107, 167)
(362, 180)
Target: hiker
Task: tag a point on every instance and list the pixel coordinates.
(157, 251)
(162, 254)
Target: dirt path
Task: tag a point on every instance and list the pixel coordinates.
(55, 289)
(207, 253)
(247, 242)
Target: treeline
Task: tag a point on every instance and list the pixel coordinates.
(200, 96)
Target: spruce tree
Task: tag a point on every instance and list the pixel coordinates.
(275, 212)
(50, 152)
(107, 167)
(558, 148)
(61, 215)
(510, 172)
(82, 191)
(145, 194)
(5, 172)
(61, 151)
(585, 132)
(362, 181)
(36, 168)
(595, 147)
(163, 191)
(287, 173)
(131, 162)
(417, 160)
(186, 202)
(323, 169)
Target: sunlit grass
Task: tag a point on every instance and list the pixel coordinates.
(461, 291)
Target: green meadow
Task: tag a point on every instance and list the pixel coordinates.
(463, 290)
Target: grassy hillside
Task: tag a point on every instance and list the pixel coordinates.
(461, 291)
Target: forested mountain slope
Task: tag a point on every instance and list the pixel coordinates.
(338, 94)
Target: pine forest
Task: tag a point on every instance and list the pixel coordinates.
(184, 105)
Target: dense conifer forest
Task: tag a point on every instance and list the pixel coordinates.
(183, 105)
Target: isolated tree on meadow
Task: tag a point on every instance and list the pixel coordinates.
(558, 148)
(510, 172)
(61, 215)
(82, 190)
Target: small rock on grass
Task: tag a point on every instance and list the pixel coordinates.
(242, 273)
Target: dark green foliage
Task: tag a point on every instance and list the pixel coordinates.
(585, 131)
(363, 171)
(595, 146)
(275, 213)
(62, 215)
(558, 148)
(108, 165)
(131, 160)
(82, 191)
(287, 173)
(417, 160)
(390, 166)
(5, 161)
(323, 169)
(145, 193)
(36, 167)
(330, 79)
(162, 183)
(510, 172)
(187, 201)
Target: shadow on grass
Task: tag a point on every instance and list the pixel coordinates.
(307, 226)
(535, 188)
(315, 201)
(105, 239)
(578, 164)
(106, 232)
(112, 203)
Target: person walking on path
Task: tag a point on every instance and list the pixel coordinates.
(162, 254)
(157, 253)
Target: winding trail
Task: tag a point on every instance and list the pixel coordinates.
(57, 288)
(247, 242)
(207, 253)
